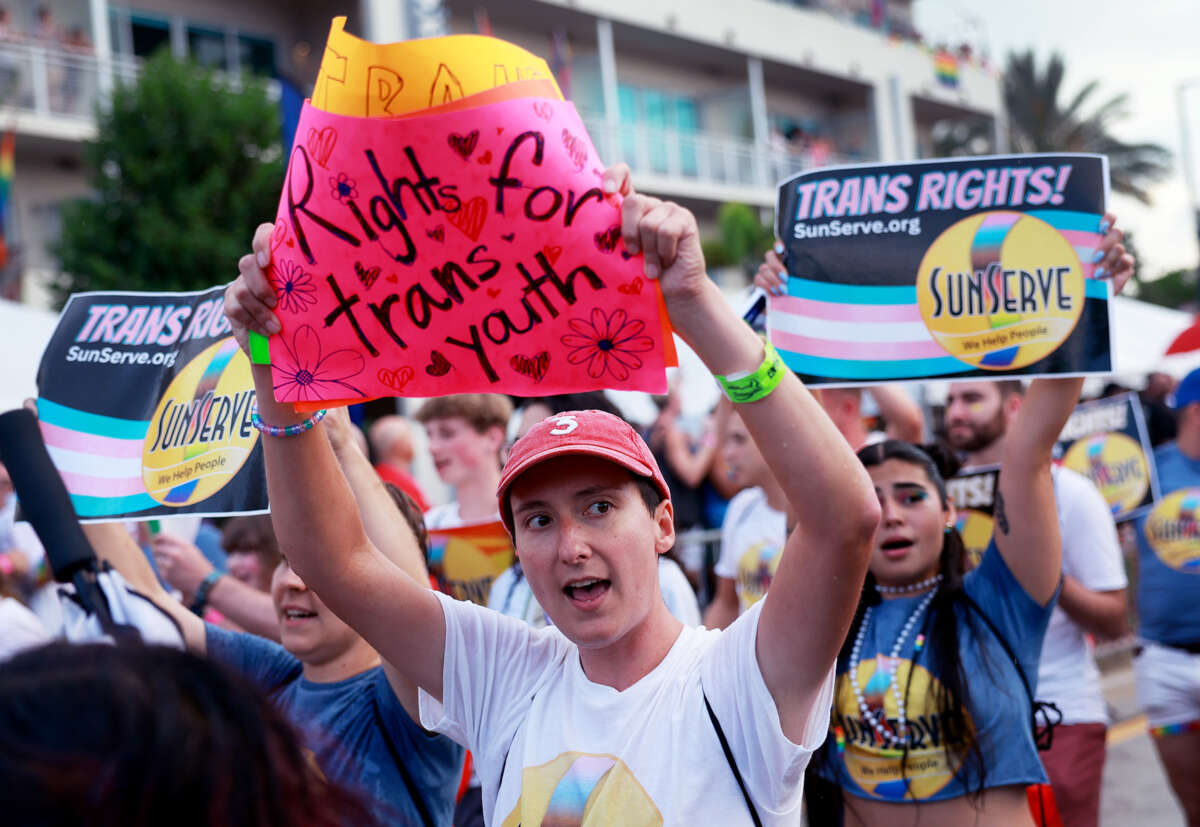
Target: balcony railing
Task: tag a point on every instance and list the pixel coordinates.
(699, 158)
(50, 81)
(65, 85)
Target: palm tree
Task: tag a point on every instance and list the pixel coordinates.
(1039, 122)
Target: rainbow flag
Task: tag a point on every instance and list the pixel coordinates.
(945, 68)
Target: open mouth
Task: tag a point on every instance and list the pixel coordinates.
(588, 592)
(298, 614)
(895, 548)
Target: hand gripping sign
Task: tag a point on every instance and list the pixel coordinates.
(977, 267)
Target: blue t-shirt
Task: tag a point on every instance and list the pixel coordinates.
(1169, 553)
(340, 726)
(998, 709)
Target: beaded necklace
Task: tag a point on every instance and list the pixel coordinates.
(928, 583)
(893, 740)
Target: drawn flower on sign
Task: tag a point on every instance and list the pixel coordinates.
(293, 287)
(303, 373)
(343, 187)
(608, 344)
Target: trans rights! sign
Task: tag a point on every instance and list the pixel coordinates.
(979, 267)
(144, 403)
(460, 251)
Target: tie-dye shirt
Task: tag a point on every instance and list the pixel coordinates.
(554, 748)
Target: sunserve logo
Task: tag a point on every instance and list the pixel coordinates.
(1172, 532)
(1000, 290)
(201, 434)
(1115, 464)
(877, 768)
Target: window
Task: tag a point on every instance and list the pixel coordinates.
(148, 35)
(256, 55)
(207, 47)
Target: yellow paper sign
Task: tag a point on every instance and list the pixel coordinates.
(364, 79)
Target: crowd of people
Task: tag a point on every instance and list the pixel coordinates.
(852, 661)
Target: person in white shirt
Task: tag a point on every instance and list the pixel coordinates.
(611, 716)
(1092, 601)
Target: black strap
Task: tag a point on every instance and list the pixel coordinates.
(409, 784)
(1049, 714)
(712, 716)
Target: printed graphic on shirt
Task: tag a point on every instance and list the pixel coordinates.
(974, 495)
(579, 789)
(1172, 533)
(875, 766)
(464, 561)
(976, 529)
(200, 435)
(756, 569)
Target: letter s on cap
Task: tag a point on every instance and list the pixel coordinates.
(565, 424)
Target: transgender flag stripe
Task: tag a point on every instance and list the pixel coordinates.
(99, 458)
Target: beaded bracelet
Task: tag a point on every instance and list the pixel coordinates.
(287, 430)
(200, 599)
(751, 387)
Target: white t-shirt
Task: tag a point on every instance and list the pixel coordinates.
(447, 516)
(550, 743)
(752, 539)
(1067, 673)
(20, 629)
(512, 596)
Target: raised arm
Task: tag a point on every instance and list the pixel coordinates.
(385, 527)
(901, 413)
(185, 567)
(316, 520)
(817, 584)
(1026, 512)
(112, 543)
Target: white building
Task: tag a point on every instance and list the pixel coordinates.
(708, 101)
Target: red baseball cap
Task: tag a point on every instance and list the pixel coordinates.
(579, 433)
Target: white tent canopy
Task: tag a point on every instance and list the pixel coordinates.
(24, 331)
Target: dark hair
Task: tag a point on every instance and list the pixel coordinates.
(412, 515)
(940, 624)
(563, 402)
(252, 534)
(145, 735)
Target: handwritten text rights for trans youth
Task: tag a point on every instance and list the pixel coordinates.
(456, 252)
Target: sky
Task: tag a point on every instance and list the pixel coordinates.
(1147, 49)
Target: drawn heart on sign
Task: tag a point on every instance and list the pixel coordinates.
(367, 277)
(395, 379)
(438, 233)
(552, 253)
(470, 217)
(499, 130)
(606, 241)
(493, 292)
(278, 234)
(576, 148)
(543, 110)
(320, 144)
(438, 365)
(509, 237)
(485, 158)
(464, 145)
(634, 288)
(393, 279)
(535, 368)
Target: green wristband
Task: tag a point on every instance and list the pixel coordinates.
(751, 387)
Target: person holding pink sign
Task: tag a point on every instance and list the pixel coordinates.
(618, 709)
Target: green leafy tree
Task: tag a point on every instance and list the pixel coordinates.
(742, 238)
(1040, 120)
(1176, 290)
(185, 165)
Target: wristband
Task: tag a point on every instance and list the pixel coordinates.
(203, 591)
(745, 387)
(288, 430)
